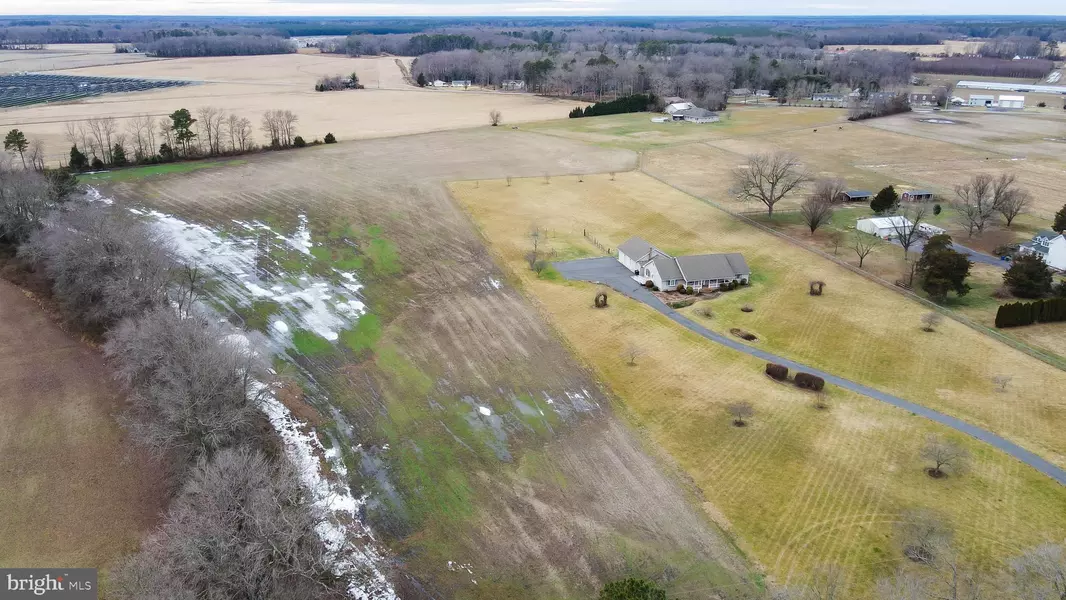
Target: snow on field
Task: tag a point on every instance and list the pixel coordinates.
(319, 304)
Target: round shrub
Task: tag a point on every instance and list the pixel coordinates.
(809, 382)
(778, 372)
(680, 288)
(689, 290)
(329, 139)
(299, 142)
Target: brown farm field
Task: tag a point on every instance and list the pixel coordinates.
(800, 488)
(74, 492)
(65, 56)
(497, 464)
(250, 85)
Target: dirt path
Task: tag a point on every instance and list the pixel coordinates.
(72, 493)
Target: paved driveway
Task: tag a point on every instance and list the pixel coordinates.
(611, 273)
(974, 255)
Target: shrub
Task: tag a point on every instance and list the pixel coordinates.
(747, 308)
(689, 290)
(778, 372)
(705, 311)
(1015, 314)
(98, 164)
(1042, 104)
(649, 284)
(330, 139)
(299, 142)
(809, 382)
(654, 288)
(683, 303)
(680, 288)
(937, 209)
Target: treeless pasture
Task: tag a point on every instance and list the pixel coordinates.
(798, 487)
(65, 56)
(75, 491)
(251, 85)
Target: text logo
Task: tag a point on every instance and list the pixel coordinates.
(50, 584)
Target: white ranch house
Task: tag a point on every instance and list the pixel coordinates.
(1050, 246)
(648, 263)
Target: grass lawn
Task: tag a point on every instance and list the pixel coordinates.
(800, 487)
(134, 173)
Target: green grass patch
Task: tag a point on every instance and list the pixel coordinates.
(311, 344)
(257, 315)
(364, 335)
(135, 173)
(549, 274)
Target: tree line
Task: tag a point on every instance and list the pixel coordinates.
(215, 45)
(239, 522)
(626, 104)
(100, 142)
(1045, 310)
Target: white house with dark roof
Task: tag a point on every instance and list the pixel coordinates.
(1049, 245)
(648, 263)
(916, 196)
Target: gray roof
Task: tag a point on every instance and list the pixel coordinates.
(858, 193)
(712, 266)
(667, 268)
(919, 193)
(635, 248)
(1046, 233)
(1038, 248)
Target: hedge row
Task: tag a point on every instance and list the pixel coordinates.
(1016, 314)
(802, 380)
(625, 104)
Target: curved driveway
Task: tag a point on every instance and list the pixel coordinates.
(610, 272)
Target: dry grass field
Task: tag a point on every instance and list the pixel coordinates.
(65, 56)
(250, 85)
(929, 50)
(800, 488)
(498, 468)
(74, 492)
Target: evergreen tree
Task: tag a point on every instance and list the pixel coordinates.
(16, 141)
(942, 269)
(118, 156)
(1028, 277)
(421, 80)
(78, 161)
(885, 200)
(182, 123)
(1060, 220)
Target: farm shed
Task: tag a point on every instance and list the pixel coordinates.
(832, 98)
(1012, 87)
(696, 115)
(982, 100)
(513, 84)
(856, 196)
(1011, 101)
(917, 196)
(883, 227)
(676, 107)
(739, 92)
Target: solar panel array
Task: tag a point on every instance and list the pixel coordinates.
(25, 89)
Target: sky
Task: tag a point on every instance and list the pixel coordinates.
(528, 7)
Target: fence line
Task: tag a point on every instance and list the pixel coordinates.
(595, 242)
(1049, 359)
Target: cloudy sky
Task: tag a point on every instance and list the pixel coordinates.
(528, 7)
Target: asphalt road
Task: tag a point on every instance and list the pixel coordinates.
(611, 273)
(973, 255)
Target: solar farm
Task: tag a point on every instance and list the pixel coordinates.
(26, 89)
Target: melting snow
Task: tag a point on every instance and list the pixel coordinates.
(484, 410)
(281, 327)
(495, 283)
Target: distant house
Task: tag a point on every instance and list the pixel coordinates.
(926, 230)
(856, 196)
(762, 93)
(439, 83)
(648, 263)
(1050, 246)
(696, 115)
(513, 84)
(884, 227)
(831, 98)
(917, 196)
(674, 100)
(921, 99)
(677, 107)
(463, 83)
(740, 92)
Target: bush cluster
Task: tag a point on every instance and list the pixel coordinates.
(1046, 310)
(330, 139)
(778, 372)
(625, 104)
(809, 382)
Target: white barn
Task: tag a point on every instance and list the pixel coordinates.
(1011, 101)
(884, 227)
(982, 100)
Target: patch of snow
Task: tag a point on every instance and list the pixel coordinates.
(495, 283)
(301, 240)
(281, 327)
(485, 410)
(93, 195)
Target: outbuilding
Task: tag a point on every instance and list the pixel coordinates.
(884, 227)
(916, 196)
(856, 196)
(982, 100)
(1011, 101)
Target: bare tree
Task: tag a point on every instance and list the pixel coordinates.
(240, 130)
(1013, 204)
(1040, 573)
(1002, 381)
(863, 244)
(836, 238)
(816, 212)
(166, 132)
(975, 203)
(286, 126)
(194, 389)
(906, 228)
(741, 412)
(189, 285)
(903, 585)
(945, 455)
(104, 265)
(930, 320)
(242, 526)
(140, 129)
(768, 178)
(631, 353)
(495, 117)
(829, 189)
(272, 128)
(24, 203)
(922, 533)
(36, 153)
